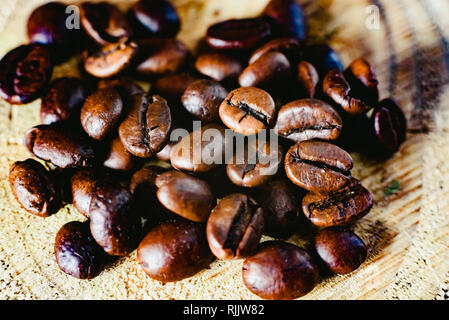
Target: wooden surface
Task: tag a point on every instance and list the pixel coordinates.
(407, 232)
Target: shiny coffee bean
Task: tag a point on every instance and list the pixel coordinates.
(247, 110)
(218, 66)
(76, 251)
(308, 79)
(25, 72)
(111, 59)
(174, 250)
(203, 98)
(62, 145)
(290, 47)
(118, 158)
(114, 222)
(339, 208)
(34, 188)
(269, 69)
(308, 119)
(242, 35)
(63, 100)
(363, 81)
(287, 18)
(161, 56)
(235, 227)
(280, 271)
(318, 166)
(342, 250)
(157, 17)
(145, 130)
(187, 196)
(323, 58)
(104, 22)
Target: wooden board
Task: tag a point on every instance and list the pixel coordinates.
(407, 232)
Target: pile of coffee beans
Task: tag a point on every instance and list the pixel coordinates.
(108, 147)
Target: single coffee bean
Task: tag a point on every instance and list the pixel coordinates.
(269, 69)
(235, 227)
(290, 47)
(114, 222)
(101, 113)
(342, 250)
(62, 145)
(174, 250)
(287, 18)
(104, 23)
(157, 17)
(363, 81)
(126, 87)
(146, 129)
(25, 73)
(247, 110)
(34, 188)
(308, 119)
(242, 34)
(280, 271)
(323, 58)
(218, 66)
(118, 158)
(318, 166)
(63, 100)
(172, 86)
(76, 251)
(161, 56)
(339, 208)
(203, 98)
(111, 59)
(308, 79)
(187, 196)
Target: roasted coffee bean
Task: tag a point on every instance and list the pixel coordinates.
(62, 145)
(126, 87)
(118, 158)
(318, 166)
(247, 110)
(147, 127)
(101, 113)
(76, 251)
(280, 271)
(111, 59)
(342, 250)
(242, 35)
(290, 47)
(218, 66)
(323, 58)
(339, 208)
(187, 196)
(114, 222)
(34, 188)
(308, 119)
(156, 17)
(174, 250)
(161, 56)
(63, 100)
(339, 90)
(25, 73)
(172, 86)
(104, 22)
(235, 227)
(308, 79)
(269, 69)
(287, 18)
(203, 98)
(363, 81)
(201, 151)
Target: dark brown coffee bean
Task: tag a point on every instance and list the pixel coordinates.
(62, 145)
(76, 251)
(126, 87)
(290, 47)
(323, 58)
(146, 129)
(161, 56)
(269, 68)
(203, 98)
(243, 34)
(287, 18)
(308, 79)
(114, 222)
(174, 250)
(34, 188)
(187, 196)
(342, 250)
(280, 271)
(104, 22)
(308, 119)
(218, 66)
(63, 100)
(111, 59)
(157, 17)
(235, 227)
(340, 208)
(172, 86)
(318, 166)
(363, 81)
(118, 158)
(247, 110)
(25, 73)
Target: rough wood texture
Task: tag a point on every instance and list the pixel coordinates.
(407, 232)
